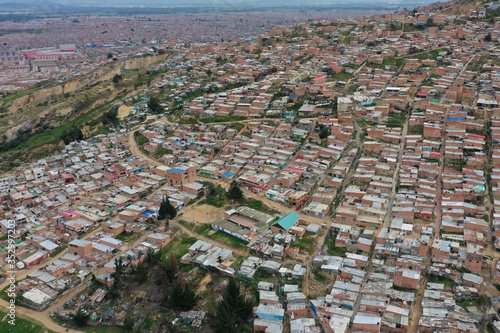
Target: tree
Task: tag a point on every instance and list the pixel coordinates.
(110, 55)
(173, 263)
(183, 299)
(323, 132)
(128, 323)
(117, 78)
(209, 72)
(162, 212)
(117, 275)
(166, 211)
(110, 118)
(430, 22)
(487, 38)
(81, 318)
(234, 191)
(141, 274)
(171, 211)
(154, 105)
(233, 312)
(71, 135)
(176, 295)
(483, 304)
(189, 300)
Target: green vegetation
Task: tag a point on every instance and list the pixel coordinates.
(216, 195)
(200, 228)
(467, 304)
(454, 163)
(342, 76)
(154, 106)
(393, 61)
(182, 298)
(53, 136)
(22, 325)
(441, 279)
(234, 311)
(124, 236)
(110, 118)
(11, 97)
(236, 126)
(475, 131)
(416, 130)
(324, 131)
(226, 238)
(432, 54)
(410, 27)
(396, 121)
(257, 205)
(334, 250)
(104, 329)
(81, 318)
(404, 289)
(140, 139)
(166, 211)
(234, 192)
(305, 244)
(140, 273)
(220, 119)
(445, 232)
(128, 323)
(74, 134)
(162, 151)
(117, 78)
(195, 94)
(59, 250)
(179, 246)
(318, 276)
(146, 78)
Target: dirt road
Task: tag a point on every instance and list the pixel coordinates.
(44, 316)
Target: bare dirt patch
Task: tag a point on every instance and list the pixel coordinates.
(64, 111)
(124, 111)
(203, 283)
(200, 214)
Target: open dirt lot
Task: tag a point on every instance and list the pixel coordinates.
(200, 214)
(124, 111)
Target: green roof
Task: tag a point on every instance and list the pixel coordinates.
(287, 221)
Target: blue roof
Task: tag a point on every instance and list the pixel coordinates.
(287, 221)
(148, 213)
(177, 143)
(177, 170)
(228, 174)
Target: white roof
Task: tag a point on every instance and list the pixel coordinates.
(36, 296)
(49, 245)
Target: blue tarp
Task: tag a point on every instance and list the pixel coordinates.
(148, 213)
(177, 170)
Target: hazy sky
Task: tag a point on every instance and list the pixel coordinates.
(238, 3)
